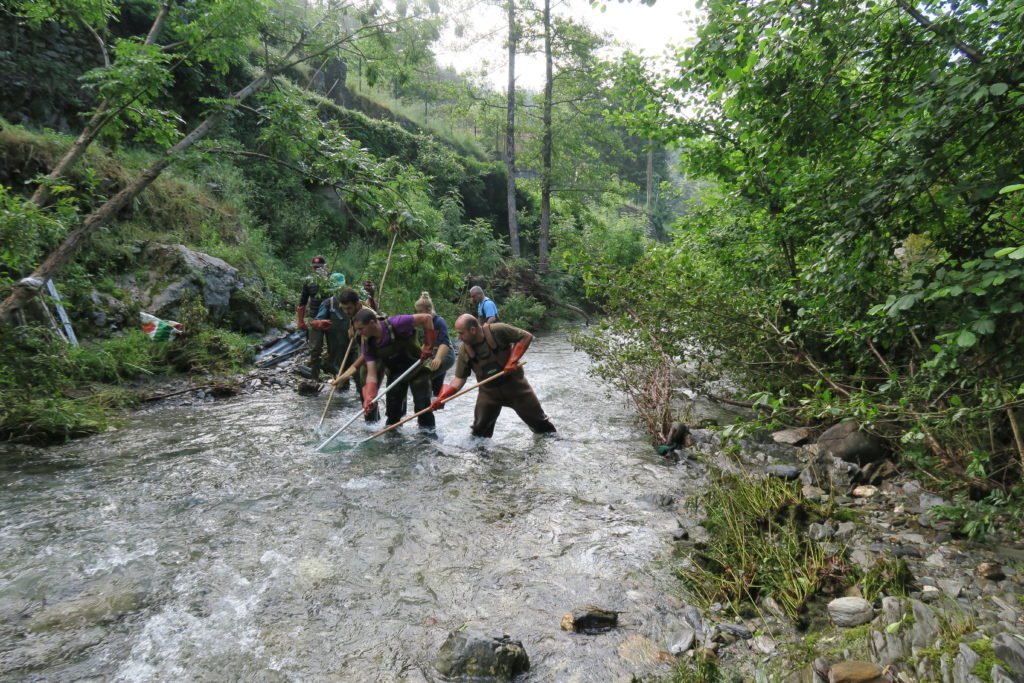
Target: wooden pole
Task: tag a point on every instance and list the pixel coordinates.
(380, 396)
(334, 385)
(427, 410)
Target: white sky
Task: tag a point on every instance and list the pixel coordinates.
(641, 28)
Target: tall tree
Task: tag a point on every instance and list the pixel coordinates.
(510, 132)
(546, 144)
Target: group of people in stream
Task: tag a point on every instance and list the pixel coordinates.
(365, 348)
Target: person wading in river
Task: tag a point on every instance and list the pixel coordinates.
(315, 288)
(488, 350)
(445, 356)
(351, 303)
(389, 348)
(335, 324)
(486, 309)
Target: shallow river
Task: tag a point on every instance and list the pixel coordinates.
(212, 543)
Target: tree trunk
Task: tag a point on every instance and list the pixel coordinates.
(545, 174)
(27, 288)
(510, 133)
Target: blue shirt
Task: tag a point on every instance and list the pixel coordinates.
(442, 333)
(486, 309)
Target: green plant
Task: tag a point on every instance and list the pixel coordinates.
(888, 576)
(523, 311)
(758, 546)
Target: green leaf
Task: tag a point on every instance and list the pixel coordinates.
(966, 339)
(735, 73)
(984, 326)
(1012, 188)
(998, 88)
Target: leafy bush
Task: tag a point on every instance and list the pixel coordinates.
(45, 390)
(523, 311)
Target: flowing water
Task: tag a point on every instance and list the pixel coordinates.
(212, 543)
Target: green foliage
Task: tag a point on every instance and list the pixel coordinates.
(696, 671)
(45, 390)
(758, 547)
(978, 519)
(27, 233)
(856, 249)
(888, 576)
(203, 348)
(523, 311)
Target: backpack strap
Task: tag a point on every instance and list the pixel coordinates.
(488, 337)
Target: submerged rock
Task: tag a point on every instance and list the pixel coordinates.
(475, 654)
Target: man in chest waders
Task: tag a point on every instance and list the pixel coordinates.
(488, 350)
(334, 321)
(315, 288)
(389, 348)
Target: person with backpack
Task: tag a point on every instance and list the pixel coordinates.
(315, 288)
(486, 309)
(487, 350)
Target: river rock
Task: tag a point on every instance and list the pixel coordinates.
(846, 441)
(785, 472)
(965, 661)
(474, 654)
(1010, 649)
(797, 436)
(829, 473)
(999, 675)
(639, 651)
(864, 491)
(684, 640)
(993, 571)
(590, 619)
(850, 611)
(855, 671)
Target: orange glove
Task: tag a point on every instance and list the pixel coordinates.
(322, 325)
(300, 317)
(446, 392)
(518, 349)
(429, 337)
(369, 393)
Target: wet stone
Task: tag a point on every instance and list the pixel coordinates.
(475, 654)
(590, 619)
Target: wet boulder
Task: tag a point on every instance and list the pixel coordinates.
(474, 654)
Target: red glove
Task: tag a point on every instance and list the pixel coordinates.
(322, 325)
(518, 349)
(369, 393)
(429, 337)
(300, 317)
(446, 392)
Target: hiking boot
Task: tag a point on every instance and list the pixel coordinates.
(303, 371)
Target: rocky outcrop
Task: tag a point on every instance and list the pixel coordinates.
(174, 271)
